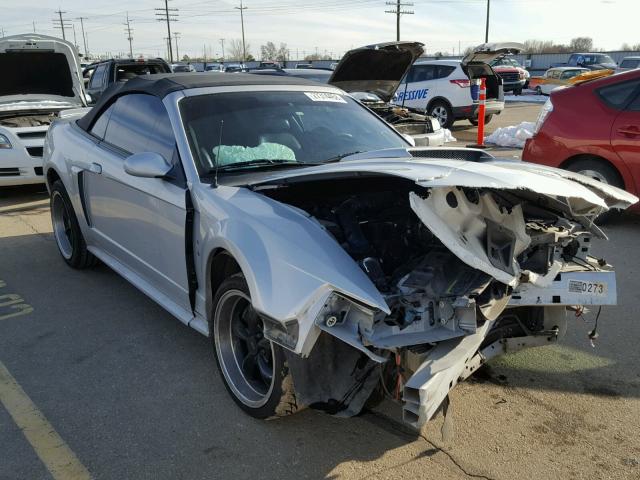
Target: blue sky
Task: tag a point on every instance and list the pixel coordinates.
(331, 25)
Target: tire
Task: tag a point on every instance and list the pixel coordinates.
(254, 369)
(601, 171)
(66, 230)
(487, 119)
(443, 112)
(538, 90)
(517, 91)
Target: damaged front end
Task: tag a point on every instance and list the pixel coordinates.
(467, 272)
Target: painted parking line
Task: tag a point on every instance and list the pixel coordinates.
(56, 455)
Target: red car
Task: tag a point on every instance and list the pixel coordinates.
(592, 128)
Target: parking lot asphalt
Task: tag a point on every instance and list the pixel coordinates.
(134, 394)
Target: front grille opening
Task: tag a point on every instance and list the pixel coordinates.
(32, 135)
(9, 172)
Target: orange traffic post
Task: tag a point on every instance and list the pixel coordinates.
(482, 98)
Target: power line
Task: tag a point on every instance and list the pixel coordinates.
(398, 12)
(129, 37)
(61, 23)
(168, 15)
(244, 49)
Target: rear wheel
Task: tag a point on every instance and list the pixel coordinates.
(66, 230)
(443, 112)
(254, 369)
(601, 171)
(487, 119)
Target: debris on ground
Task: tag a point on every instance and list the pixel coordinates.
(448, 136)
(513, 136)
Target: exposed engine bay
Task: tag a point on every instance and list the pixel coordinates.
(20, 120)
(450, 263)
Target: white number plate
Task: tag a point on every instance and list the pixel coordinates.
(589, 288)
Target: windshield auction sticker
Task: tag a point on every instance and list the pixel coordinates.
(325, 97)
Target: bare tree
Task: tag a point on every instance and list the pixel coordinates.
(235, 50)
(283, 53)
(316, 56)
(630, 48)
(581, 44)
(268, 51)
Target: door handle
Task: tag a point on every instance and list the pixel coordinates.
(630, 131)
(95, 168)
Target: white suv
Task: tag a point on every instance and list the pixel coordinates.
(442, 88)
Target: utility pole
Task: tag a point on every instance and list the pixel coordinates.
(175, 35)
(84, 38)
(128, 31)
(168, 40)
(75, 40)
(34, 26)
(222, 43)
(168, 15)
(244, 50)
(61, 23)
(398, 12)
(486, 35)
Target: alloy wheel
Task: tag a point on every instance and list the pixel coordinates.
(245, 355)
(61, 226)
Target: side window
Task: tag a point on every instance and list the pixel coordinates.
(98, 75)
(443, 71)
(634, 106)
(423, 73)
(140, 123)
(618, 94)
(100, 126)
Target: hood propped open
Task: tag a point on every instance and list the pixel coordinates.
(488, 52)
(376, 68)
(38, 70)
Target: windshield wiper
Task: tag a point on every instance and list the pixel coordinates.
(263, 162)
(337, 158)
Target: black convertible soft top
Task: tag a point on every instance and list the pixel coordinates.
(162, 84)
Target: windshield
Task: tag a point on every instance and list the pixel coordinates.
(261, 129)
(506, 62)
(597, 59)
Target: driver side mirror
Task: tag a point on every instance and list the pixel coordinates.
(147, 165)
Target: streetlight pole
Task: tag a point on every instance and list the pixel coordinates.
(486, 34)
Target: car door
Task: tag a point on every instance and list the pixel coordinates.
(625, 130)
(140, 222)
(551, 82)
(416, 89)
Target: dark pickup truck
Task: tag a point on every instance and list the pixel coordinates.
(106, 72)
(592, 61)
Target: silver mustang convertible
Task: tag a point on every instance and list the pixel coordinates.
(331, 263)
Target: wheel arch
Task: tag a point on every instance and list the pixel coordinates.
(52, 176)
(436, 99)
(597, 158)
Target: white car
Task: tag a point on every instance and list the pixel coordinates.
(30, 101)
(442, 88)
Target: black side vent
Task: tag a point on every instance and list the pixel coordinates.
(35, 151)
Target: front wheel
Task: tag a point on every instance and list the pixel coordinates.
(254, 369)
(442, 112)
